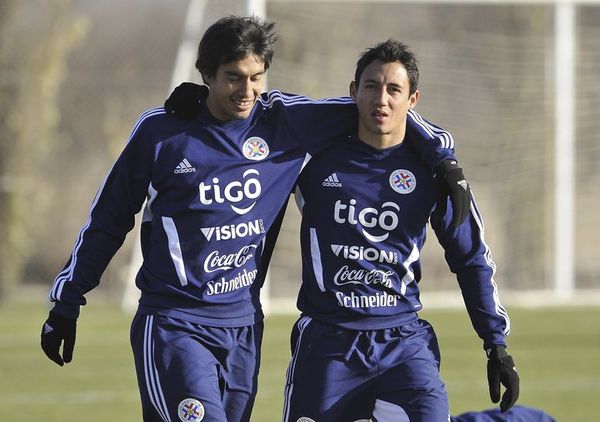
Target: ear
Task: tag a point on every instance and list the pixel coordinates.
(206, 79)
(414, 99)
(353, 89)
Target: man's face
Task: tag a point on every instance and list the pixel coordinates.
(383, 100)
(235, 88)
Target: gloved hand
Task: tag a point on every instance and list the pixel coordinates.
(185, 100)
(56, 330)
(501, 369)
(457, 187)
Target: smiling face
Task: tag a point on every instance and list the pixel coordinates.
(383, 99)
(235, 88)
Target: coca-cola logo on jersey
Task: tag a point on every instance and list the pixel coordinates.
(371, 220)
(216, 261)
(345, 275)
(233, 192)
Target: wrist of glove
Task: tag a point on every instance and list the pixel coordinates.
(456, 186)
(185, 100)
(56, 331)
(501, 370)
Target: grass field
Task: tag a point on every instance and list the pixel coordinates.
(557, 351)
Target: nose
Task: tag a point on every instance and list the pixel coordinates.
(246, 88)
(381, 97)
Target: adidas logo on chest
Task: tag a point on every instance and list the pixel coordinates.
(184, 167)
(332, 181)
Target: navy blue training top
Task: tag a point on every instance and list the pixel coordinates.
(364, 218)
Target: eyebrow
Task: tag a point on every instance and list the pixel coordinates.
(379, 83)
(234, 73)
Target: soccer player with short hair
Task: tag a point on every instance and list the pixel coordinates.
(214, 186)
(359, 349)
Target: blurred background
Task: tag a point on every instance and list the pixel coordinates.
(76, 74)
(516, 83)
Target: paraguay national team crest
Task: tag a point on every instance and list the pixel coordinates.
(190, 410)
(255, 148)
(403, 181)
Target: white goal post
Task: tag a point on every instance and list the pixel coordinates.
(182, 71)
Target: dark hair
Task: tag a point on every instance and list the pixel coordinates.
(233, 38)
(388, 52)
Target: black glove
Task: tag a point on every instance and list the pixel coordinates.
(56, 330)
(185, 100)
(501, 369)
(457, 187)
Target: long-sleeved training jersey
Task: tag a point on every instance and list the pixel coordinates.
(213, 191)
(364, 217)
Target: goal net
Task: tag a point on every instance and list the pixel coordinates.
(487, 75)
